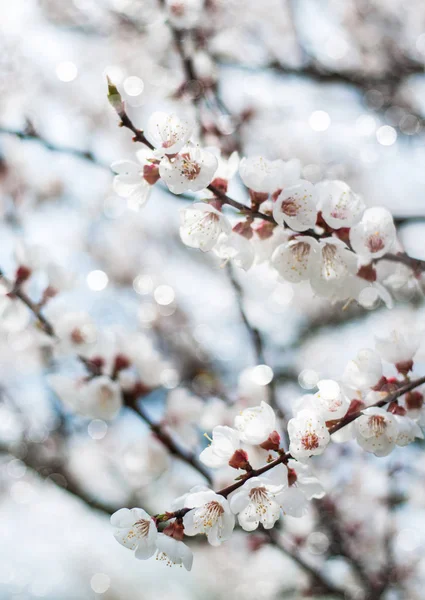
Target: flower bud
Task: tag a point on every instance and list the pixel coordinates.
(239, 460)
(272, 442)
(114, 97)
(414, 400)
(175, 530)
(404, 366)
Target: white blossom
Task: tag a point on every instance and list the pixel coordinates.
(337, 266)
(173, 552)
(224, 443)
(256, 424)
(333, 403)
(303, 486)
(168, 132)
(376, 431)
(266, 176)
(408, 430)
(364, 371)
(227, 167)
(211, 515)
(308, 434)
(259, 500)
(135, 530)
(97, 398)
(184, 14)
(297, 206)
(201, 225)
(340, 206)
(397, 347)
(191, 170)
(130, 182)
(375, 235)
(237, 248)
(297, 260)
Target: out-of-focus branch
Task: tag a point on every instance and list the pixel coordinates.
(131, 402)
(320, 585)
(253, 332)
(65, 481)
(416, 264)
(30, 134)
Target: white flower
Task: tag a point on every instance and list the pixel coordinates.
(256, 424)
(375, 235)
(173, 552)
(134, 180)
(135, 530)
(303, 486)
(225, 441)
(184, 14)
(143, 355)
(250, 392)
(266, 176)
(227, 167)
(191, 170)
(376, 431)
(337, 265)
(397, 347)
(211, 515)
(259, 501)
(168, 133)
(201, 225)
(297, 260)
(308, 434)
(408, 430)
(332, 401)
(76, 331)
(340, 206)
(364, 371)
(237, 248)
(97, 398)
(297, 206)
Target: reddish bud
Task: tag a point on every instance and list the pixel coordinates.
(395, 409)
(121, 362)
(257, 198)
(382, 383)
(221, 184)
(255, 542)
(276, 195)
(151, 173)
(216, 203)
(240, 460)
(292, 476)
(175, 530)
(414, 400)
(404, 367)
(355, 406)
(265, 230)
(244, 228)
(367, 272)
(272, 442)
(22, 274)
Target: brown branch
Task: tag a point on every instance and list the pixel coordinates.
(284, 457)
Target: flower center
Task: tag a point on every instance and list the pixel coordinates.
(310, 441)
(290, 207)
(375, 243)
(212, 512)
(300, 251)
(378, 424)
(142, 527)
(190, 168)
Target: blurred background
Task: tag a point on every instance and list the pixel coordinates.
(339, 85)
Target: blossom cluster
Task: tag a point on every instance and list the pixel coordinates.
(318, 233)
(357, 406)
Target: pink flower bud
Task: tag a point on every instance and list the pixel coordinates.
(239, 460)
(272, 442)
